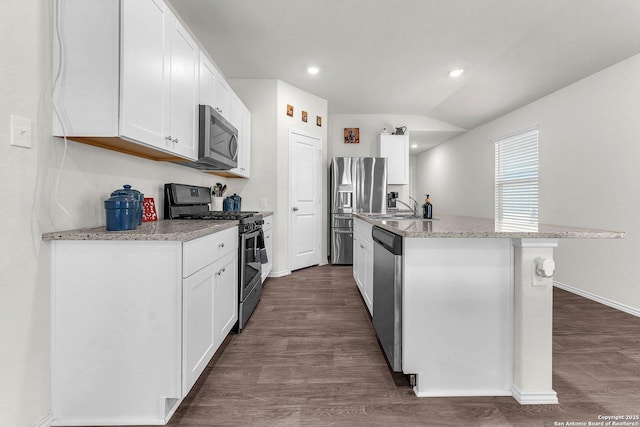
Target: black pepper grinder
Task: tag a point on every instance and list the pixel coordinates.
(427, 209)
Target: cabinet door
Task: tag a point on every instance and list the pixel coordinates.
(225, 296)
(367, 273)
(207, 82)
(244, 144)
(235, 111)
(198, 324)
(223, 98)
(396, 149)
(358, 261)
(144, 72)
(268, 244)
(183, 113)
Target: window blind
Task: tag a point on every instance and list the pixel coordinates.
(517, 181)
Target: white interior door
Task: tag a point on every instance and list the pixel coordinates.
(305, 158)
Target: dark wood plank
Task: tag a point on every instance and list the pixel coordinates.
(309, 357)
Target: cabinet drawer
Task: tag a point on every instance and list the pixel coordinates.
(363, 229)
(205, 250)
(268, 222)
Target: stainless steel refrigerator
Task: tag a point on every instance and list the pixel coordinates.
(357, 184)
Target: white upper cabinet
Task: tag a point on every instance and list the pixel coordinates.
(241, 120)
(235, 115)
(207, 88)
(396, 149)
(244, 162)
(145, 73)
(159, 79)
(213, 86)
(128, 80)
(183, 96)
(223, 98)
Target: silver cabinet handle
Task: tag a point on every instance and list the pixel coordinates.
(219, 272)
(221, 245)
(175, 140)
(168, 138)
(267, 237)
(295, 209)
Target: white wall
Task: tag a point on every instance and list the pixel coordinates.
(589, 175)
(28, 177)
(267, 100)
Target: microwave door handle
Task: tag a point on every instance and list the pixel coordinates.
(233, 147)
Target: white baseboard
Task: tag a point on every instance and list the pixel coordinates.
(534, 397)
(109, 421)
(599, 299)
(459, 393)
(280, 273)
(45, 421)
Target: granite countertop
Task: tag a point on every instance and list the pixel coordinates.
(470, 227)
(174, 230)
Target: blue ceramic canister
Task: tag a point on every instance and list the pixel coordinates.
(136, 195)
(237, 202)
(122, 211)
(227, 204)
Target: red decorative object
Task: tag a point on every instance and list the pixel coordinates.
(149, 210)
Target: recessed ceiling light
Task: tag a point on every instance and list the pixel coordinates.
(456, 73)
(414, 146)
(313, 70)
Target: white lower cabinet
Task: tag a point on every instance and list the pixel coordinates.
(267, 229)
(130, 333)
(198, 323)
(225, 296)
(210, 309)
(363, 260)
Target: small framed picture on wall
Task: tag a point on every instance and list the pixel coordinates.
(304, 116)
(351, 135)
(318, 121)
(289, 110)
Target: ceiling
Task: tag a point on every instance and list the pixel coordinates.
(393, 56)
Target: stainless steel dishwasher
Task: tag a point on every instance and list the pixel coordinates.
(387, 294)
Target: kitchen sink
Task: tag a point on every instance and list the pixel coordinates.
(397, 216)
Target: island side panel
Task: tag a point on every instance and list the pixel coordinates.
(533, 324)
(458, 316)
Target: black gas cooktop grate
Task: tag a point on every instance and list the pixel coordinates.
(220, 215)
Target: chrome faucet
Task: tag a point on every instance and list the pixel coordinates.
(414, 208)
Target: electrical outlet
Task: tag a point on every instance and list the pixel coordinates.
(263, 203)
(20, 132)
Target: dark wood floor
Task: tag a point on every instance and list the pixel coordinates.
(309, 357)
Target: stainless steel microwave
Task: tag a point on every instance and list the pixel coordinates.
(218, 141)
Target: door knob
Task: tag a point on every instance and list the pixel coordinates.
(295, 209)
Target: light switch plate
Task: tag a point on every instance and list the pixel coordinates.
(20, 132)
(263, 203)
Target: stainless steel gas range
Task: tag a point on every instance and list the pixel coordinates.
(192, 202)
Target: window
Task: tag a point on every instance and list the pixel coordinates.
(517, 181)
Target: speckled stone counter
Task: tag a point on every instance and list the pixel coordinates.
(169, 230)
(470, 227)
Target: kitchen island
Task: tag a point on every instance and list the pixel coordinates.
(477, 305)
